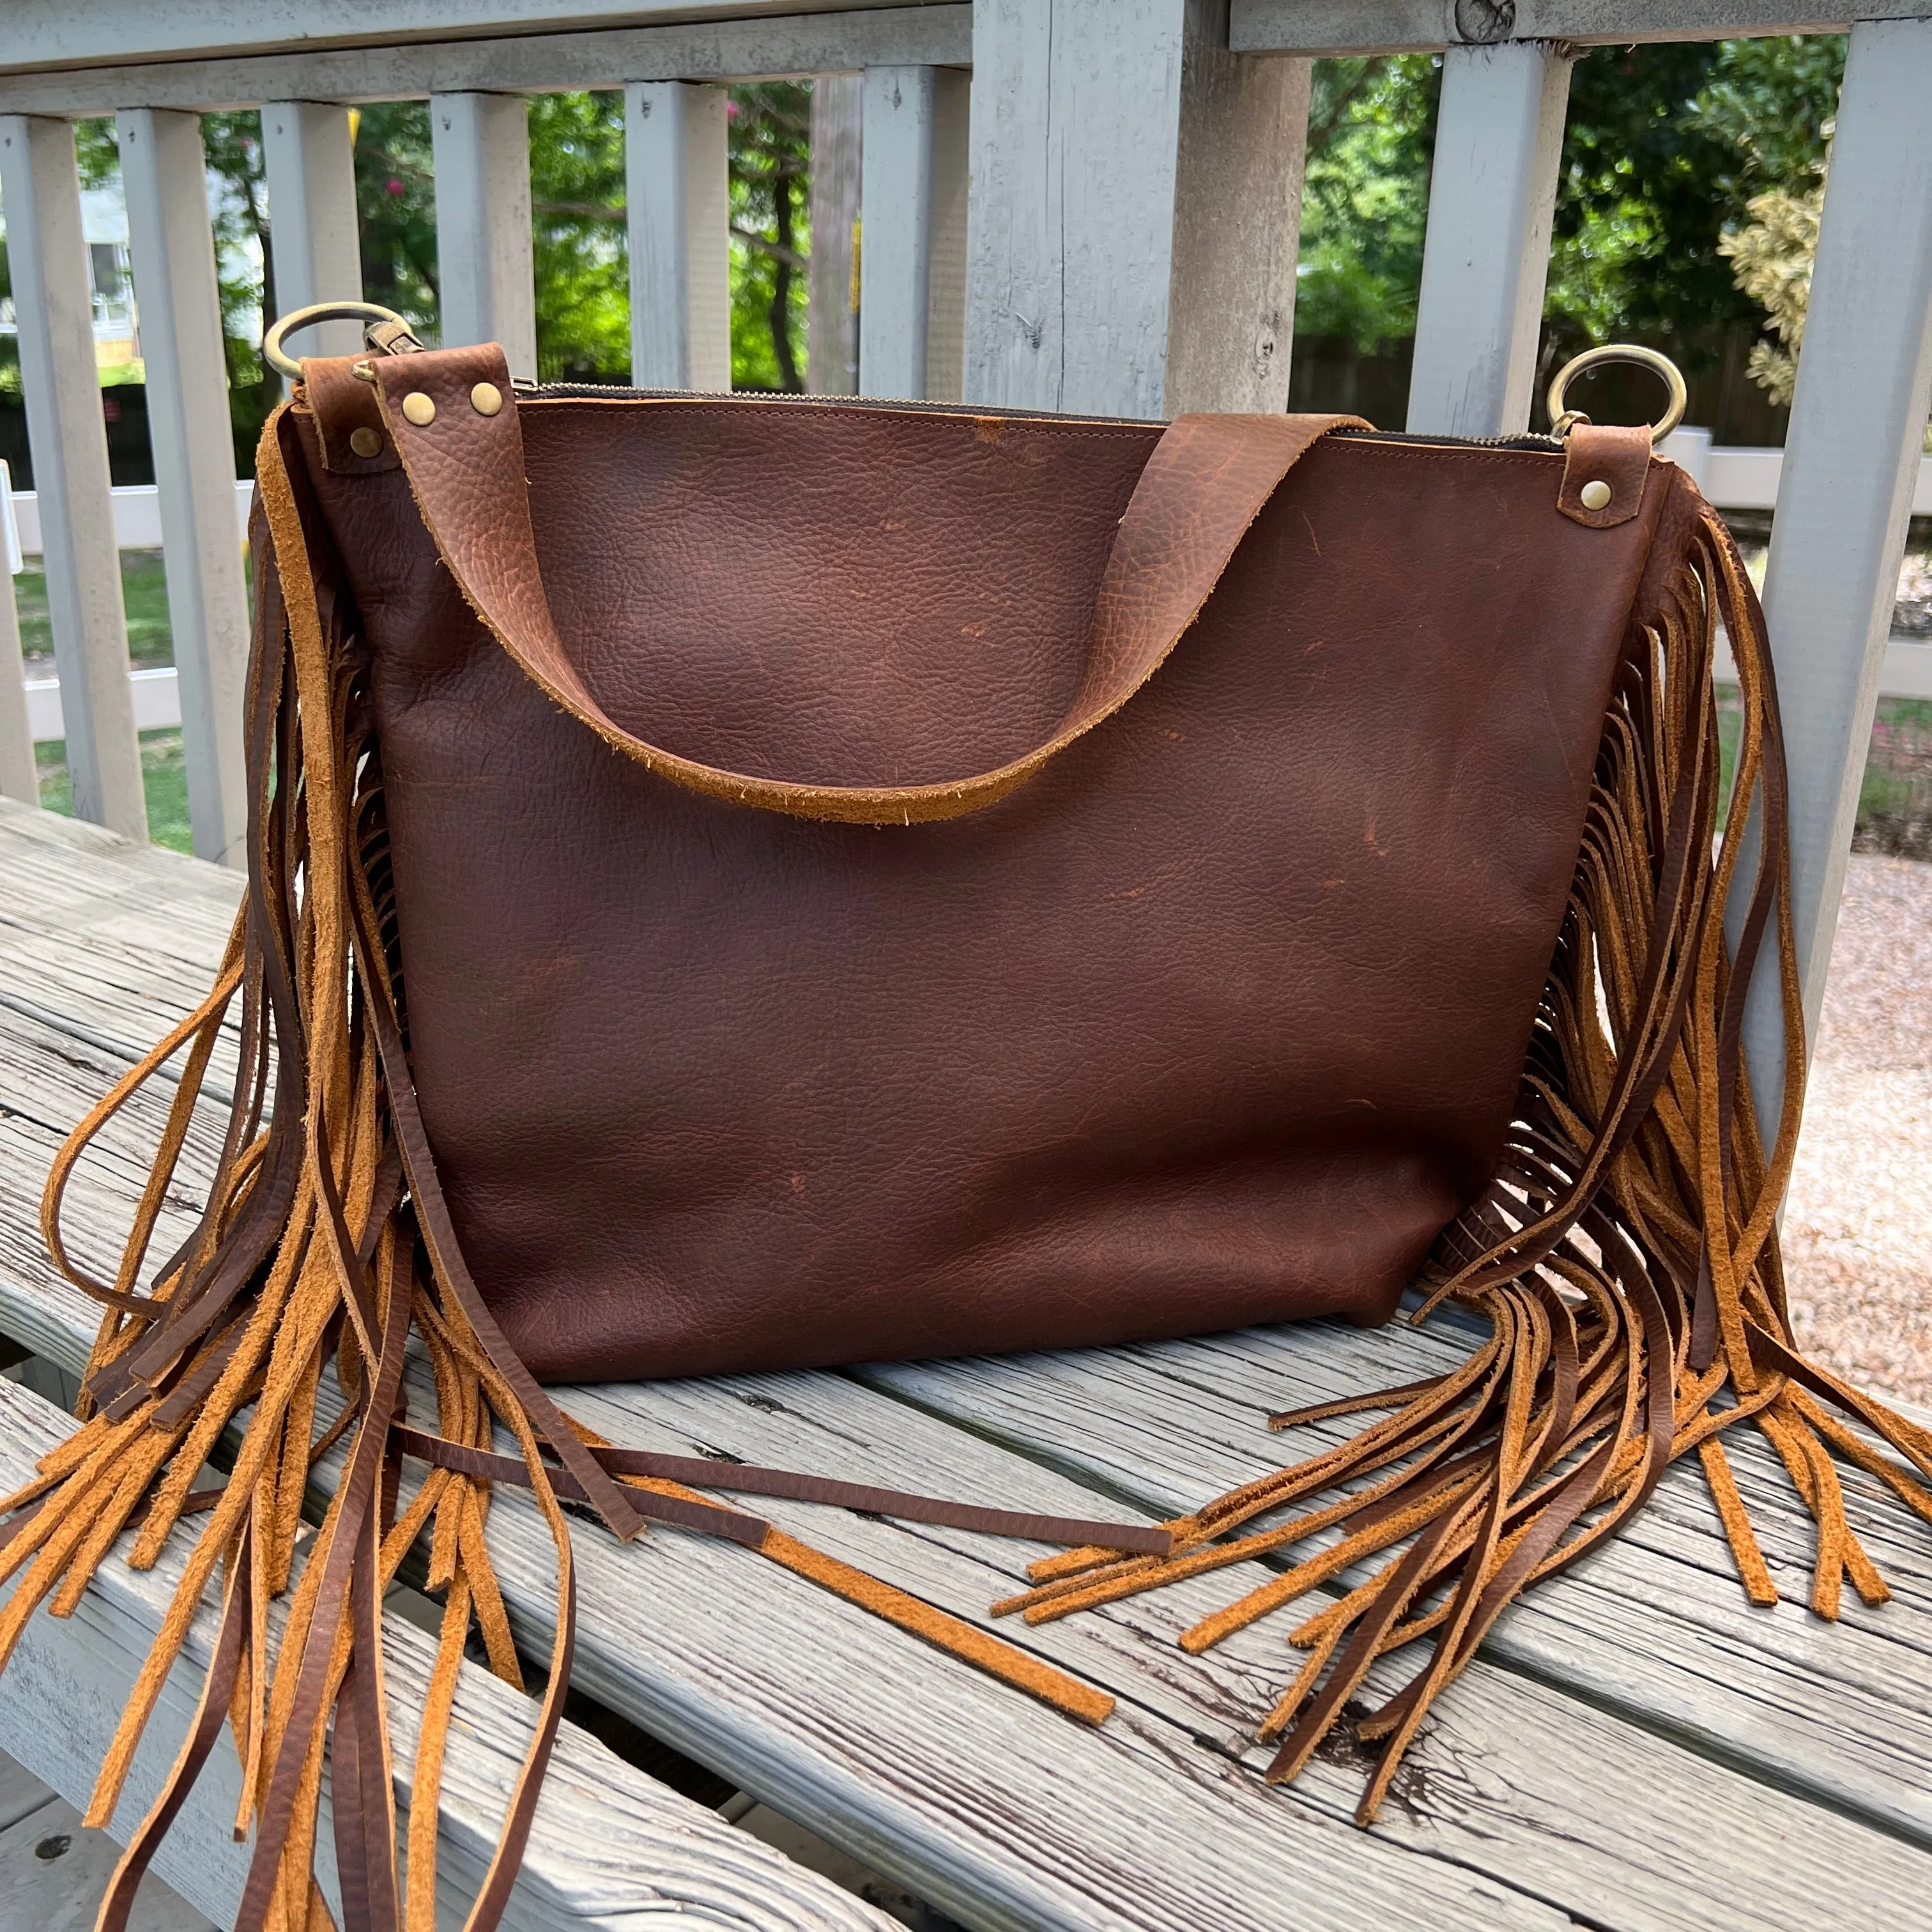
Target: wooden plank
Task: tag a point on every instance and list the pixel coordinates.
(798, 41)
(608, 1845)
(1243, 142)
(1330, 27)
(912, 307)
(80, 946)
(47, 35)
(895, 194)
(1852, 459)
(1511, 1782)
(949, 194)
(53, 301)
(1133, 185)
(60, 1319)
(1485, 260)
(313, 239)
(482, 149)
(838, 127)
(677, 200)
(164, 170)
(21, 1794)
(53, 1871)
(1650, 1627)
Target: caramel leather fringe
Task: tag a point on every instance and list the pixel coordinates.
(325, 1250)
(1626, 1259)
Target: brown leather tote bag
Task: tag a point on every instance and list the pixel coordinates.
(739, 884)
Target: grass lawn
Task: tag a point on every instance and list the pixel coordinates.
(163, 776)
(144, 589)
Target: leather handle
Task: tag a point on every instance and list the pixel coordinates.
(1205, 483)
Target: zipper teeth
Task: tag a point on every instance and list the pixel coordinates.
(792, 399)
(617, 392)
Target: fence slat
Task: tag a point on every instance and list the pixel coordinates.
(40, 185)
(1851, 458)
(18, 778)
(912, 201)
(164, 170)
(316, 251)
(1242, 145)
(679, 213)
(480, 146)
(1136, 212)
(946, 218)
(832, 349)
(1486, 261)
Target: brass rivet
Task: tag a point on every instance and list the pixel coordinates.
(419, 408)
(1594, 495)
(486, 399)
(365, 441)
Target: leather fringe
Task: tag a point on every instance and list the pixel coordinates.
(1625, 1260)
(326, 1249)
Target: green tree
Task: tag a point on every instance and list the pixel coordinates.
(238, 211)
(395, 209)
(582, 262)
(770, 141)
(577, 211)
(1771, 261)
(1665, 147)
(1365, 203)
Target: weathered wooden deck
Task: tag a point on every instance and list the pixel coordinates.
(1640, 1748)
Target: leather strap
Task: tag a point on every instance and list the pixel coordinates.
(747, 1479)
(441, 1453)
(217, 1696)
(1208, 480)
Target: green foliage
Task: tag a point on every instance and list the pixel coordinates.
(1665, 147)
(233, 143)
(1371, 131)
(395, 208)
(238, 208)
(770, 141)
(582, 262)
(1770, 102)
(581, 266)
(1771, 262)
(577, 211)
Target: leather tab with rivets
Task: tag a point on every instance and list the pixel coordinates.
(348, 420)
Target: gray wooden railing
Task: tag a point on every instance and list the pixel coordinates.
(1127, 245)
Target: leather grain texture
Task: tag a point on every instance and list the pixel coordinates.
(1217, 1018)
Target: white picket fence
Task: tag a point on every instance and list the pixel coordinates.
(1088, 205)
